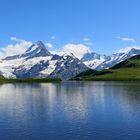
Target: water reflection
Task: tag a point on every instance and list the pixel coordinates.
(25, 108)
(72, 98)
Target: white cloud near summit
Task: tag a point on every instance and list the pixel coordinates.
(77, 49)
(12, 49)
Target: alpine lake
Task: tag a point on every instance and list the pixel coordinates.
(72, 110)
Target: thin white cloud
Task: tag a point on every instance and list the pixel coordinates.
(14, 49)
(49, 45)
(126, 39)
(53, 37)
(86, 39)
(13, 38)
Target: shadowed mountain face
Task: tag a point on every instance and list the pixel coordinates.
(38, 62)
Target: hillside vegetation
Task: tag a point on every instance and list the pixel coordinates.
(41, 80)
(126, 70)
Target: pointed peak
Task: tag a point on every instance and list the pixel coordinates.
(69, 54)
(36, 46)
(39, 43)
(36, 50)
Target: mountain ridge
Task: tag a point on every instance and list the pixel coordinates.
(38, 62)
(104, 62)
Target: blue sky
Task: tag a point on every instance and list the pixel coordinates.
(108, 24)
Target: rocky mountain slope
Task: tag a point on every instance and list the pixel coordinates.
(38, 62)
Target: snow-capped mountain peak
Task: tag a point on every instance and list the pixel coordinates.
(128, 49)
(92, 56)
(38, 62)
(92, 59)
(36, 50)
(100, 62)
(118, 57)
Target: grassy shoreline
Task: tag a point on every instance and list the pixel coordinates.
(30, 80)
(102, 79)
(123, 74)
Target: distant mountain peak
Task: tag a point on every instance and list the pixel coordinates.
(92, 56)
(128, 49)
(96, 61)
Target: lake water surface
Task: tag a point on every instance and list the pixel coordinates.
(70, 111)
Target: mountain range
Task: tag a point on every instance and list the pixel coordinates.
(38, 62)
(100, 62)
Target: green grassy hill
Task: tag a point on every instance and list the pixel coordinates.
(124, 71)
